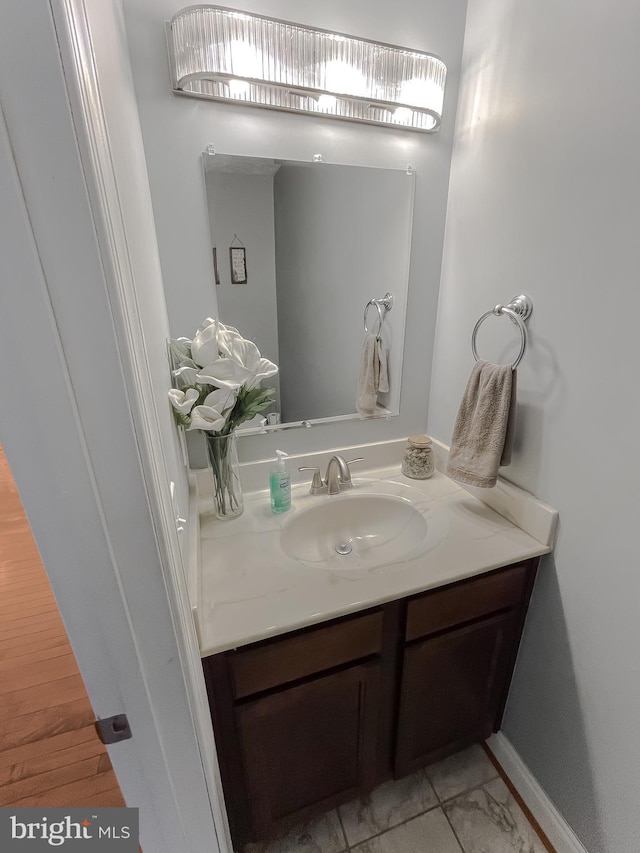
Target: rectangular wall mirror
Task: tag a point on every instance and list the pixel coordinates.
(298, 250)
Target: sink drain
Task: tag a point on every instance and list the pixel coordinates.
(343, 548)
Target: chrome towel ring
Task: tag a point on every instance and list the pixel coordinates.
(518, 310)
(386, 302)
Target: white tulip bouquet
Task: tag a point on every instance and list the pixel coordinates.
(217, 378)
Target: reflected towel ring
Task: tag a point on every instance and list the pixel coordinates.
(517, 311)
(387, 303)
(379, 307)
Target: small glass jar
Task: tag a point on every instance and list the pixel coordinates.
(417, 462)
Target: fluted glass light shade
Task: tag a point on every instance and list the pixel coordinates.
(234, 56)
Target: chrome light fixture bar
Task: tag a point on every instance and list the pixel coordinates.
(227, 55)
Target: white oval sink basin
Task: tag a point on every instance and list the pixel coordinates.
(349, 532)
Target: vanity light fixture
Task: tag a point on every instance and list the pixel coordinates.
(227, 55)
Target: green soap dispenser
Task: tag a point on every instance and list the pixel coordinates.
(280, 484)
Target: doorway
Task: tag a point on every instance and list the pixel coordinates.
(50, 753)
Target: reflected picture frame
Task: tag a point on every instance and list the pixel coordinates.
(238, 263)
(216, 274)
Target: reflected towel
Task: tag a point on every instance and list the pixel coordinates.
(369, 376)
(483, 432)
(383, 378)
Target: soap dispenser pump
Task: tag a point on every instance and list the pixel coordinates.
(280, 484)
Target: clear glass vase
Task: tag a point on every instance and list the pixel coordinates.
(225, 469)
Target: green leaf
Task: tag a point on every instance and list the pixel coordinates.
(182, 420)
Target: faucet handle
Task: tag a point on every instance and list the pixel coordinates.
(346, 484)
(317, 483)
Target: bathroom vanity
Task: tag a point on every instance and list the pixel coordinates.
(326, 713)
(326, 679)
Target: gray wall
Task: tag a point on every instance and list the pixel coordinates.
(544, 199)
(176, 130)
(343, 232)
(242, 206)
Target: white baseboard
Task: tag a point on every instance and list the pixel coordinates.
(557, 830)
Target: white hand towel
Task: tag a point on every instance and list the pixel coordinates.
(383, 380)
(483, 432)
(369, 377)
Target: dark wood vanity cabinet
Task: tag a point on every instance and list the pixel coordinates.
(451, 687)
(312, 745)
(320, 716)
(460, 648)
(296, 720)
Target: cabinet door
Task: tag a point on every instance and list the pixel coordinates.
(310, 746)
(452, 686)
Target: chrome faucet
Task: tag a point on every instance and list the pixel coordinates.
(336, 479)
(338, 475)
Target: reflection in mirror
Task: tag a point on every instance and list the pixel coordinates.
(299, 249)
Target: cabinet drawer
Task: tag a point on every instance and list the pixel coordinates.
(444, 608)
(279, 661)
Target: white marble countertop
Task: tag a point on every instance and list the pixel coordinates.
(248, 589)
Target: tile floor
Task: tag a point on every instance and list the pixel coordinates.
(459, 805)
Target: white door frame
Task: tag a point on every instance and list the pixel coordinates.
(81, 421)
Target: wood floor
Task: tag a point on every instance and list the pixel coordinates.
(50, 754)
